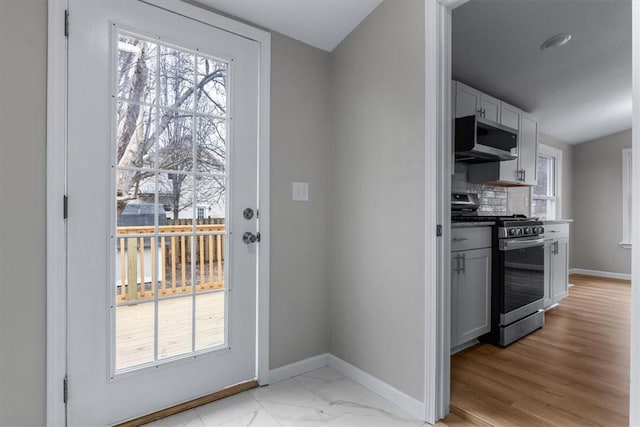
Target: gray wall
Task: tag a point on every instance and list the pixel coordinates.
(23, 64)
(300, 89)
(377, 197)
(597, 205)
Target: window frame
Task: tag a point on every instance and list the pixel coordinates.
(627, 179)
(556, 155)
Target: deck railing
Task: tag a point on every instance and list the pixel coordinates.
(163, 263)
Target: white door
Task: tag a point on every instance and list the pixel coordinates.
(162, 162)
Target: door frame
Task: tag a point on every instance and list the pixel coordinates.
(438, 168)
(56, 365)
(437, 128)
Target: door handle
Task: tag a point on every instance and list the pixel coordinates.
(250, 238)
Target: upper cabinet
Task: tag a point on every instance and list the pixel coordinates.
(470, 101)
(522, 171)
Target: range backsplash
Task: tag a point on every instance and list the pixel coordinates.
(493, 199)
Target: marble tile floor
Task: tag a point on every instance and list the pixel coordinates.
(318, 398)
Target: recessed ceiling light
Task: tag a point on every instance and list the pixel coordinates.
(556, 41)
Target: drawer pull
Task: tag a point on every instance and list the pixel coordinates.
(460, 239)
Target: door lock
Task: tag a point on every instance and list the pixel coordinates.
(248, 237)
(247, 213)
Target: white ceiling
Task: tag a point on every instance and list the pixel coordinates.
(580, 91)
(320, 23)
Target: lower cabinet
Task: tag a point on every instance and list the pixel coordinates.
(560, 270)
(470, 295)
(556, 270)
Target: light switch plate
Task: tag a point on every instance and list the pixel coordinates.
(300, 191)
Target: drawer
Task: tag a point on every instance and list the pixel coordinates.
(556, 231)
(466, 238)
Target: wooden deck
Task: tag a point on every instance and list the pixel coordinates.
(135, 328)
(573, 372)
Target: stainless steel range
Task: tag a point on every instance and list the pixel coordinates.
(517, 295)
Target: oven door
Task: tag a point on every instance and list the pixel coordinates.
(521, 278)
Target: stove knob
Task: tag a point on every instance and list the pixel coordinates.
(540, 230)
(527, 231)
(512, 232)
(518, 231)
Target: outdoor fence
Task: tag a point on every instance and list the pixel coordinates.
(169, 262)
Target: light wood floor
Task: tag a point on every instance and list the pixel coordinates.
(135, 328)
(572, 372)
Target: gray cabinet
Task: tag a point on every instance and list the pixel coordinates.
(470, 101)
(556, 263)
(560, 270)
(470, 284)
(522, 171)
(528, 149)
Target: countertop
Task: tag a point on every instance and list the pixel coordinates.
(472, 224)
(557, 221)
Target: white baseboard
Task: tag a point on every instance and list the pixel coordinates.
(390, 393)
(298, 368)
(597, 273)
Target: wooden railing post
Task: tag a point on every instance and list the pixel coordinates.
(132, 267)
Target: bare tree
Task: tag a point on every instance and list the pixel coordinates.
(162, 87)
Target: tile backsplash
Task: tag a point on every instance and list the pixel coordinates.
(493, 199)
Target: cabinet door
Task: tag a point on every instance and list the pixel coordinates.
(509, 115)
(454, 298)
(548, 262)
(473, 295)
(490, 108)
(467, 100)
(528, 149)
(560, 270)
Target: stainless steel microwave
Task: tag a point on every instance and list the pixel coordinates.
(480, 140)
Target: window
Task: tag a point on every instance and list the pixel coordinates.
(545, 199)
(626, 197)
(200, 213)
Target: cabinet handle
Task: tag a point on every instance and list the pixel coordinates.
(524, 175)
(457, 267)
(460, 239)
(464, 264)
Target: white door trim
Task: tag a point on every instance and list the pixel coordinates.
(438, 189)
(56, 224)
(56, 188)
(634, 408)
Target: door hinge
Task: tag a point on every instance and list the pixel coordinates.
(65, 206)
(257, 213)
(439, 230)
(66, 23)
(257, 237)
(65, 389)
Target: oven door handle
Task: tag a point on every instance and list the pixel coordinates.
(513, 244)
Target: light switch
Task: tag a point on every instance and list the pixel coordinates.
(300, 191)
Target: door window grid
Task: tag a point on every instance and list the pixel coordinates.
(199, 160)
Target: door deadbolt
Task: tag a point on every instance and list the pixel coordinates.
(247, 213)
